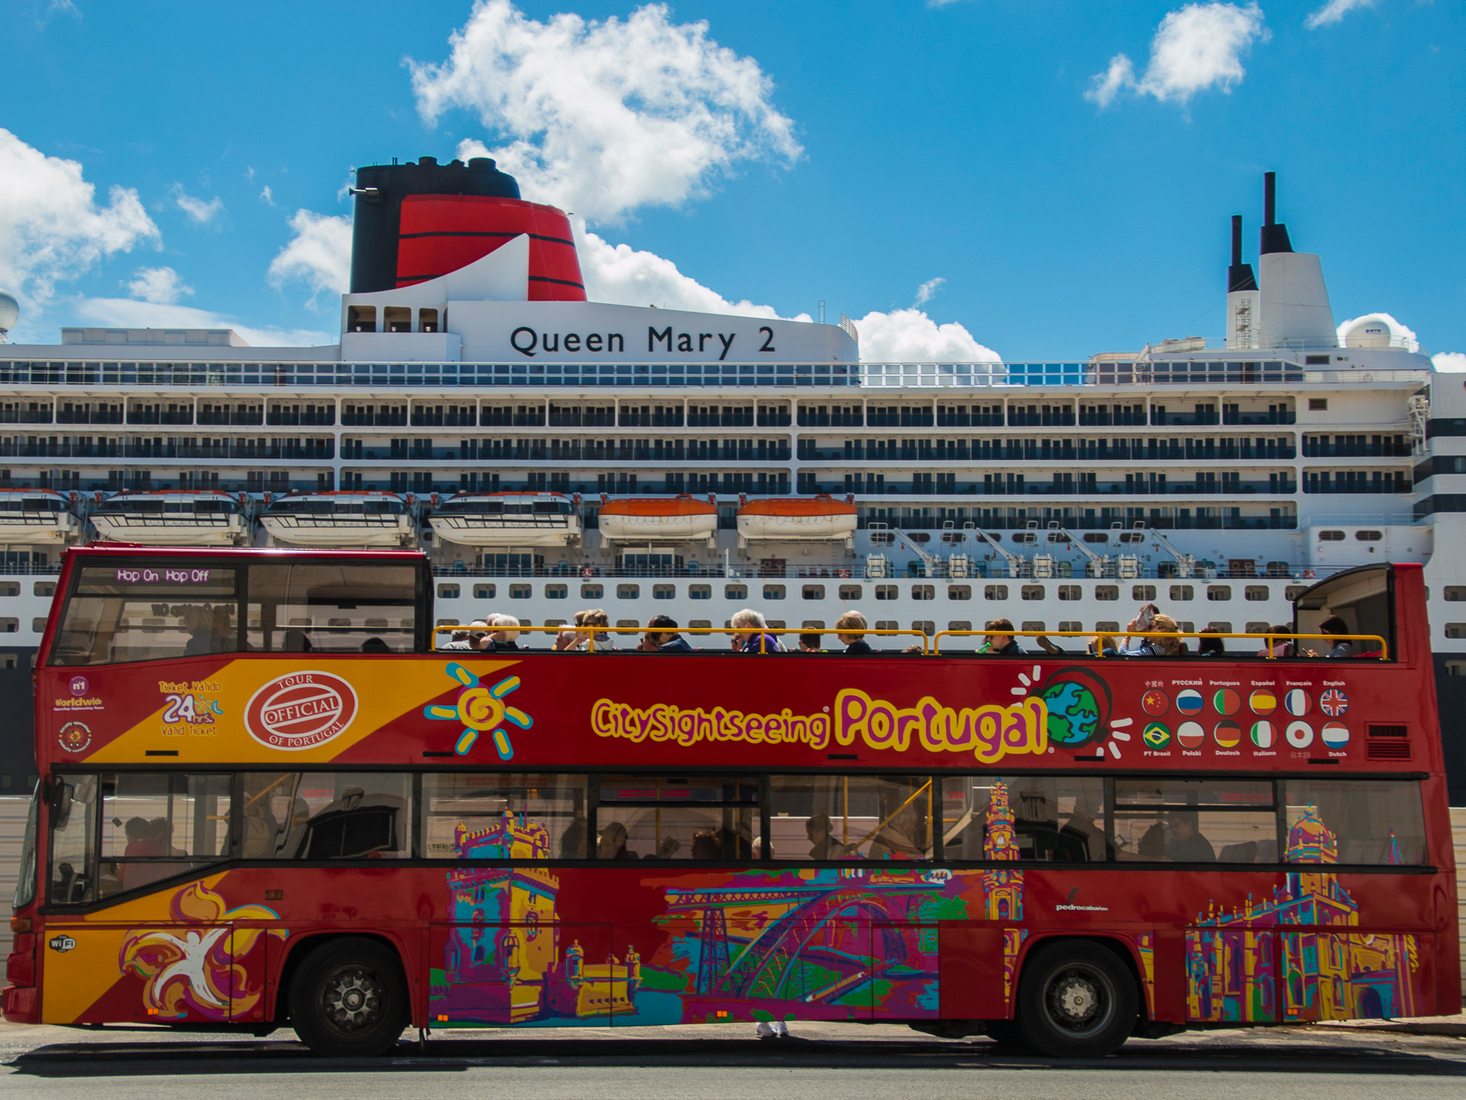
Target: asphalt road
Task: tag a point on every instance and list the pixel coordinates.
(725, 1062)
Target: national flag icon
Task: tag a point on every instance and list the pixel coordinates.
(1262, 701)
(1155, 702)
(1297, 702)
(1335, 734)
(1264, 736)
(1189, 701)
(1228, 735)
(1157, 736)
(1226, 701)
(1190, 735)
(1299, 734)
(1334, 703)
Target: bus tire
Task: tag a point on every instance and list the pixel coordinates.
(1077, 1000)
(349, 1000)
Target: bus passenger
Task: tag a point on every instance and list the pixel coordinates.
(662, 637)
(598, 620)
(569, 638)
(705, 845)
(850, 629)
(823, 845)
(1002, 645)
(502, 633)
(1170, 646)
(612, 844)
(1210, 646)
(1185, 844)
(1280, 648)
(895, 839)
(473, 638)
(572, 840)
(1334, 626)
(809, 642)
(758, 642)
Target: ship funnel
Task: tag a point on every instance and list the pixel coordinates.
(1274, 233)
(1242, 295)
(1239, 275)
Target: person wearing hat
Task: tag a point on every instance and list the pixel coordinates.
(477, 635)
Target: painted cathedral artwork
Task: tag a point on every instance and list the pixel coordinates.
(827, 943)
(1294, 956)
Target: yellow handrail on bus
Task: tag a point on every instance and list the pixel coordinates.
(1100, 635)
(591, 631)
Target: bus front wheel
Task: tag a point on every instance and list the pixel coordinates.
(1077, 1000)
(348, 999)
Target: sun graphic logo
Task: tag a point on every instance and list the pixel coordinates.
(481, 710)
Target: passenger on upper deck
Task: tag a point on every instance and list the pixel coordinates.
(662, 637)
(568, 638)
(502, 633)
(473, 638)
(757, 641)
(809, 642)
(850, 628)
(599, 620)
(1334, 626)
(1170, 646)
(1002, 645)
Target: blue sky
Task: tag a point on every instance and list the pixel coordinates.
(955, 176)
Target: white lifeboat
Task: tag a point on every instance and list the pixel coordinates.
(652, 519)
(31, 517)
(507, 519)
(341, 518)
(796, 519)
(172, 517)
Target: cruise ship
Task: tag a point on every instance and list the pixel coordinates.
(551, 453)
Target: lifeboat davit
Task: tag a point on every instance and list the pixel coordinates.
(652, 519)
(31, 517)
(172, 517)
(341, 518)
(796, 519)
(507, 519)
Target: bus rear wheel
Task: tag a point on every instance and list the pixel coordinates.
(1077, 1000)
(348, 999)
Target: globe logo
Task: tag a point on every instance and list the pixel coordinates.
(1076, 711)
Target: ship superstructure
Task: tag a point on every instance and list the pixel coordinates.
(552, 453)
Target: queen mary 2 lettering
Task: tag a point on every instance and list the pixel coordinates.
(531, 342)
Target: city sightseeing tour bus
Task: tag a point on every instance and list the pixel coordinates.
(269, 797)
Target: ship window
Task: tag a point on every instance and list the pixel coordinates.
(1255, 592)
(1368, 536)
(960, 624)
(664, 591)
(735, 591)
(1219, 592)
(557, 591)
(812, 592)
(447, 592)
(1032, 592)
(1256, 628)
(1070, 592)
(1293, 591)
(1033, 626)
(9, 588)
(628, 591)
(851, 592)
(1107, 592)
(923, 592)
(1096, 536)
(1070, 626)
(700, 624)
(45, 588)
(427, 320)
(699, 592)
(520, 591)
(887, 624)
(885, 591)
(995, 592)
(926, 626)
(1106, 625)
(1143, 592)
(959, 592)
(484, 591)
(38, 625)
(361, 318)
(1182, 592)
(1455, 593)
(1318, 404)
(1456, 630)
(1331, 536)
(773, 591)
(1453, 668)
(397, 319)
(592, 591)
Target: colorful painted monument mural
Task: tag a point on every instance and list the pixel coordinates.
(1281, 958)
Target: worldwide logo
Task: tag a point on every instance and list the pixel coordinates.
(1190, 701)
(1334, 703)
(78, 685)
(1157, 736)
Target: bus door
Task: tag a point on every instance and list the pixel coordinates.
(140, 931)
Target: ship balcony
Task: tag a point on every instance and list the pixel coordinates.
(1030, 487)
(568, 450)
(1049, 450)
(153, 449)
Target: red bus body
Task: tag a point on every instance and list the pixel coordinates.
(531, 941)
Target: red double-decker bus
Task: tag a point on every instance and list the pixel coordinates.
(267, 800)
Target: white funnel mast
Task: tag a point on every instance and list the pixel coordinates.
(1294, 311)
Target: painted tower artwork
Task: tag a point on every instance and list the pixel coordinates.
(503, 961)
(1268, 960)
(1003, 886)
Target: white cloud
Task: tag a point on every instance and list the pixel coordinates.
(1333, 12)
(1401, 335)
(601, 117)
(267, 196)
(319, 254)
(927, 290)
(129, 313)
(1453, 362)
(159, 285)
(910, 336)
(199, 211)
(1195, 49)
(52, 229)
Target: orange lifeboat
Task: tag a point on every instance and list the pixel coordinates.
(797, 519)
(648, 519)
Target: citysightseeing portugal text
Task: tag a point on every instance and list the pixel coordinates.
(989, 733)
